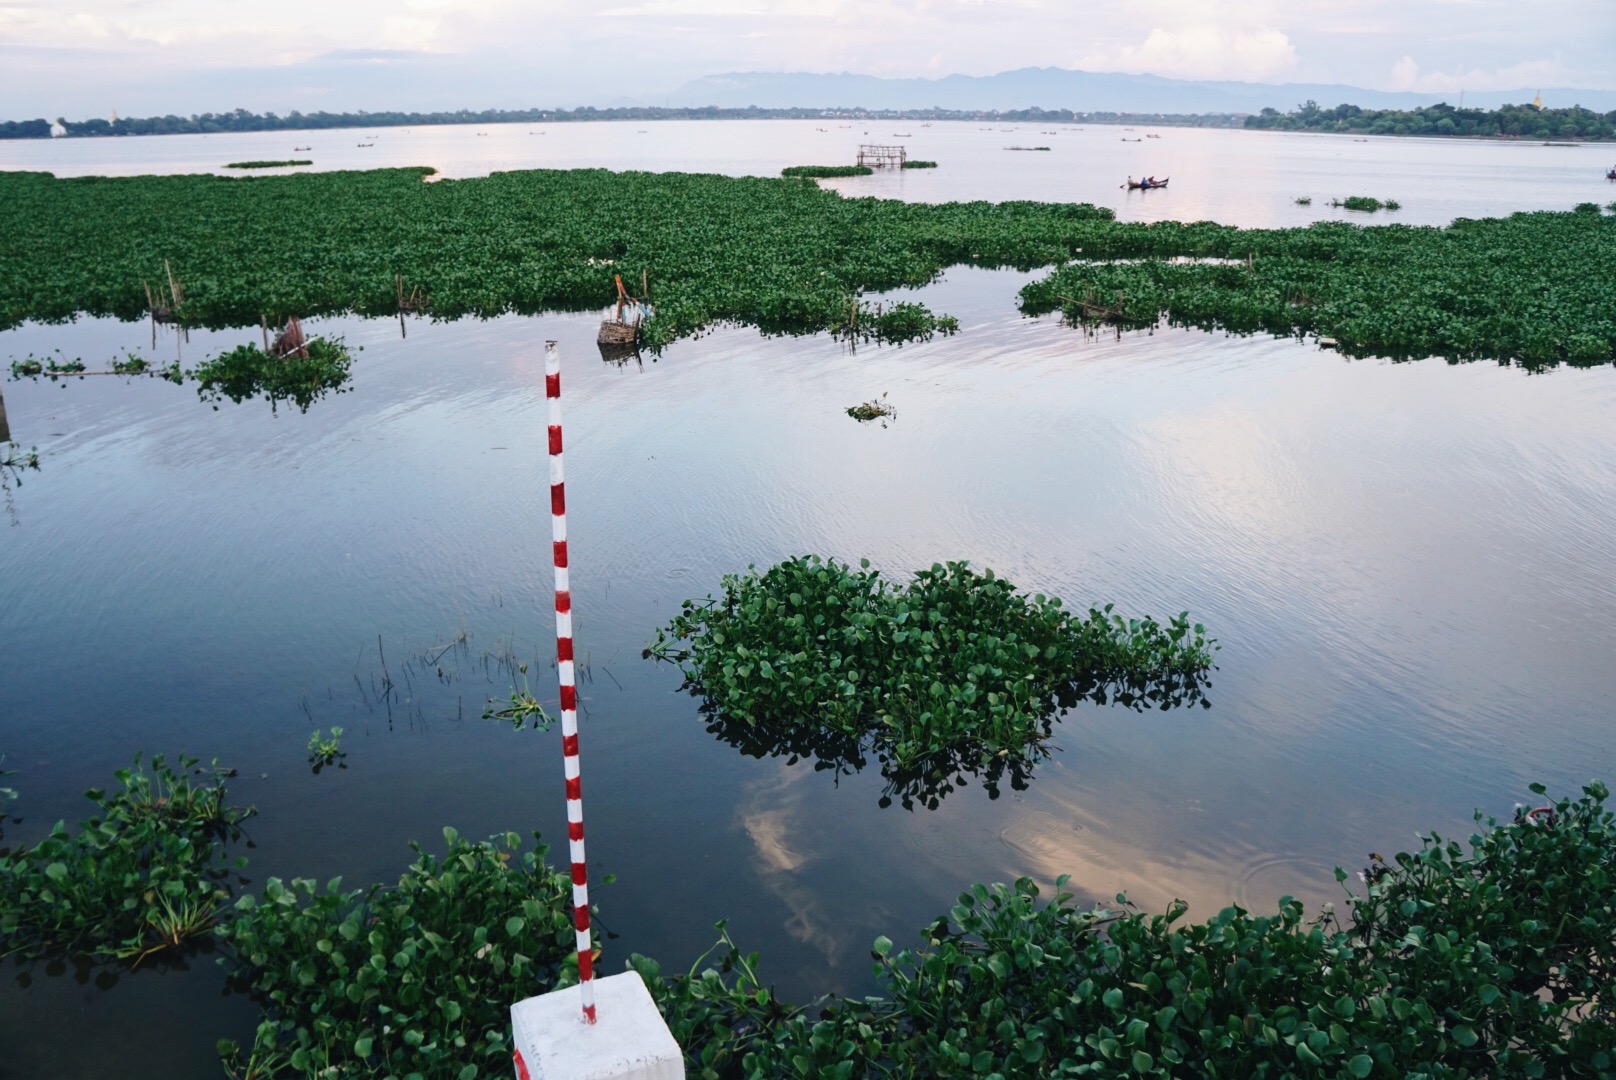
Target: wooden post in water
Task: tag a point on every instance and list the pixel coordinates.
(5, 429)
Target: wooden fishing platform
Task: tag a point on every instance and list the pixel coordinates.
(882, 157)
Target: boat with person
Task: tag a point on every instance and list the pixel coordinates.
(1610, 173)
(1147, 184)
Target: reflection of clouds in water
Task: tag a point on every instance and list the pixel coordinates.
(767, 829)
(770, 811)
(1105, 855)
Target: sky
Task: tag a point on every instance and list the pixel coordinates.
(82, 58)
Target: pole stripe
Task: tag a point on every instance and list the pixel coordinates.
(566, 675)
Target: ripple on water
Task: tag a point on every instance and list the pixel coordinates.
(1261, 881)
(1040, 834)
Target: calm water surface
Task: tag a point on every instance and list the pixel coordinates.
(1408, 566)
(1249, 178)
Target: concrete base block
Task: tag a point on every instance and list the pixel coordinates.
(629, 1041)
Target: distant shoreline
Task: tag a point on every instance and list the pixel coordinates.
(243, 121)
(1509, 123)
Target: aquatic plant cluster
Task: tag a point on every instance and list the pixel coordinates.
(1366, 204)
(781, 255)
(1488, 960)
(815, 171)
(320, 367)
(954, 669)
(248, 371)
(146, 874)
(1520, 289)
(265, 164)
(416, 979)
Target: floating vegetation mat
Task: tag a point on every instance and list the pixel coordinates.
(918, 164)
(781, 255)
(1522, 289)
(875, 409)
(1486, 959)
(247, 371)
(302, 377)
(1364, 204)
(816, 171)
(265, 164)
(953, 672)
(147, 873)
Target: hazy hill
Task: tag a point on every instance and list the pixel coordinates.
(1084, 91)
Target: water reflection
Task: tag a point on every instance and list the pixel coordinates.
(939, 774)
(291, 370)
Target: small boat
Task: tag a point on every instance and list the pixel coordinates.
(364, 144)
(1146, 185)
(295, 149)
(1610, 173)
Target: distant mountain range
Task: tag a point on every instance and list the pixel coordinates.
(1082, 91)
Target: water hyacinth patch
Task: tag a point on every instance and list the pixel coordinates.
(781, 255)
(826, 170)
(954, 667)
(247, 371)
(1391, 291)
(1489, 961)
(416, 979)
(1485, 959)
(146, 874)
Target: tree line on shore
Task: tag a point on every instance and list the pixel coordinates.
(1507, 121)
(244, 120)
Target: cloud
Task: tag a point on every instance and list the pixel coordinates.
(1203, 52)
(1405, 75)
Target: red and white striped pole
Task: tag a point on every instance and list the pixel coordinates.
(569, 688)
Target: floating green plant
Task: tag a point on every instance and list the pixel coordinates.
(874, 409)
(1305, 200)
(918, 164)
(952, 670)
(415, 979)
(1365, 204)
(265, 164)
(1488, 961)
(780, 255)
(523, 709)
(826, 170)
(326, 750)
(145, 875)
(1488, 958)
(301, 377)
